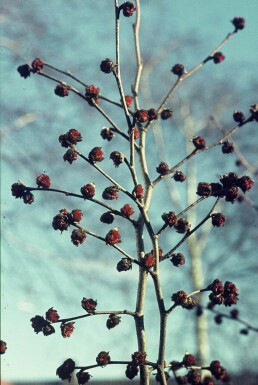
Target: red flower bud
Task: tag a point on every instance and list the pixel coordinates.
(37, 65)
(162, 168)
(138, 191)
(73, 136)
(188, 360)
(70, 156)
(92, 92)
(169, 218)
(199, 142)
(103, 358)
(113, 237)
(218, 220)
(127, 211)
(43, 180)
(128, 100)
(78, 236)
(96, 155)
(138, 358)
(76, 215)
(141, 116)
(67, 329)
(245, 183)
(89, 305)
(149, 260)
(28, 198)
(52, 315)
(218, 57)
(88, 190)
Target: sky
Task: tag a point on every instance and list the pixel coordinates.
(38, 263)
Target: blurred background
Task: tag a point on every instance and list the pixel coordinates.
(43, 269)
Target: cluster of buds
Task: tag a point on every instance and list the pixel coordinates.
(182, 299)
(138, 358)
(218, 371)
(226, 294)
(19, 190)
(43, 324)
(112, 321)
(35, 67)
(73, 136)
(64, 219)
(228, 187)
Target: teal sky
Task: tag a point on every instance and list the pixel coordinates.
(37, 263)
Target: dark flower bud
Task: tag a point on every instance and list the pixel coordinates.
(113, 237)
(244, 331)
(38, 323)
(141, 116)
(217, 189)
(207, 381)
(96, 155)
(166, 113)
(89, 305)
(61, 90)
(188, 360)
(128, 9)
(24, 70)
(178, 259)
(61, 221)
(103, 359)
(238, 23)
(48, 330)
(107, 66)
(169, 218)
(148, 260)
(229, 180)
(117, 158)
(43, 181)
(238, 117)
(78, 236)
(138, 358)
(107, 217)
(193, 377)
(216, 299)
(163, 168)
(138, 191)
(179, 176)
(88, 190)
(218, 57)
(52, 315)
(231, 194)
(83, 377)
(158, 377)
(131, 371)
(181, 380)
(110, 193)
(218, 319)
(67, 329)
(182, 226)
(178, 69)
(18, 189)
(179, 297)
(199, 142)
(28, 198)
(245, 183)
(124, 264)
(65, 370)
(216, 287)
(254, 112)
(152, 114)
(3, 347)
(70, 156)
(63, 141)
(112, 321)
(204, 189)
(227, 147)
(127, 210)
(37, 65)
(218, 220)
(234, 313)
(107, 134)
